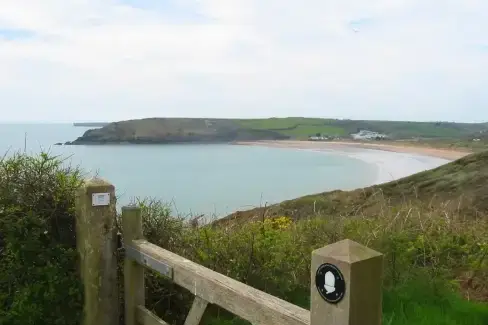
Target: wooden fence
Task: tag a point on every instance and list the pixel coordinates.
(346, 277)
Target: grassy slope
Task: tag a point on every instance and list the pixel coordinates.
(434, 222)
(459, 185)
(458, 144)
(199, 129)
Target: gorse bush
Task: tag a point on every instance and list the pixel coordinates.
(39, 282)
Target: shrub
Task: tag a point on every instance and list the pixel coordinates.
(39, 281)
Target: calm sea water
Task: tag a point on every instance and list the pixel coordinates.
(208, 179)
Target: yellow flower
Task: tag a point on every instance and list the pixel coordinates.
(282, 222)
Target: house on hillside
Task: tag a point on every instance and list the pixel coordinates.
(317, 138)
(368, 135)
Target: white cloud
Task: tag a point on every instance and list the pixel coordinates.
(114, 60)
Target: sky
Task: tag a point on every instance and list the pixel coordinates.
(106, 60)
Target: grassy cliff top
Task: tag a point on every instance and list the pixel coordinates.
(456, 186)
(163, 130)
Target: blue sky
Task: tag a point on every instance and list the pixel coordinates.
(112, 60)
(12, 34)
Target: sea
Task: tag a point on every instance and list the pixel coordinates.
(210, 179)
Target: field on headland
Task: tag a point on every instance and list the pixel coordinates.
(209, 130)
(303, 127)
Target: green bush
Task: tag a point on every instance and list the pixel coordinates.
(170, 302)
(39, 282)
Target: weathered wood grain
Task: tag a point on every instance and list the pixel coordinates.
(145, 317)
(244, 301)
(196, 312)
(96, 235)
(134, 294)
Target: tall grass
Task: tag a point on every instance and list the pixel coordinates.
(435, 260)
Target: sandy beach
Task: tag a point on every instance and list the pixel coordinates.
(392, 161)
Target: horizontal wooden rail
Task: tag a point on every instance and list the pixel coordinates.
(345, 285)
(145, 317)
(244, 301)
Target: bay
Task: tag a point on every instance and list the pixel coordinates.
(212, 179)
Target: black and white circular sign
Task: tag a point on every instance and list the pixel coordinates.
(330, 283)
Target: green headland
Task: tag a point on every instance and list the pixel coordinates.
(201, 130)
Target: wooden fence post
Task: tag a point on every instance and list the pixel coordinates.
(133, 272)
(346, 287)
(96, 233)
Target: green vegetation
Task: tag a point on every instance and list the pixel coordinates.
(276, 123)
(432, 228)
(174, 130)
(458, 187)
(466, 143)
(39, 281)
(394, 129)
(177, 130)
(304, 131)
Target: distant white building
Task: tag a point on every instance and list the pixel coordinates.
(368, 135)
(316, 138)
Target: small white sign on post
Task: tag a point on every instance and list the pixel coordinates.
(100, 199)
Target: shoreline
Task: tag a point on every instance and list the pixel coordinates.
(392, 162)
(448, 154)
